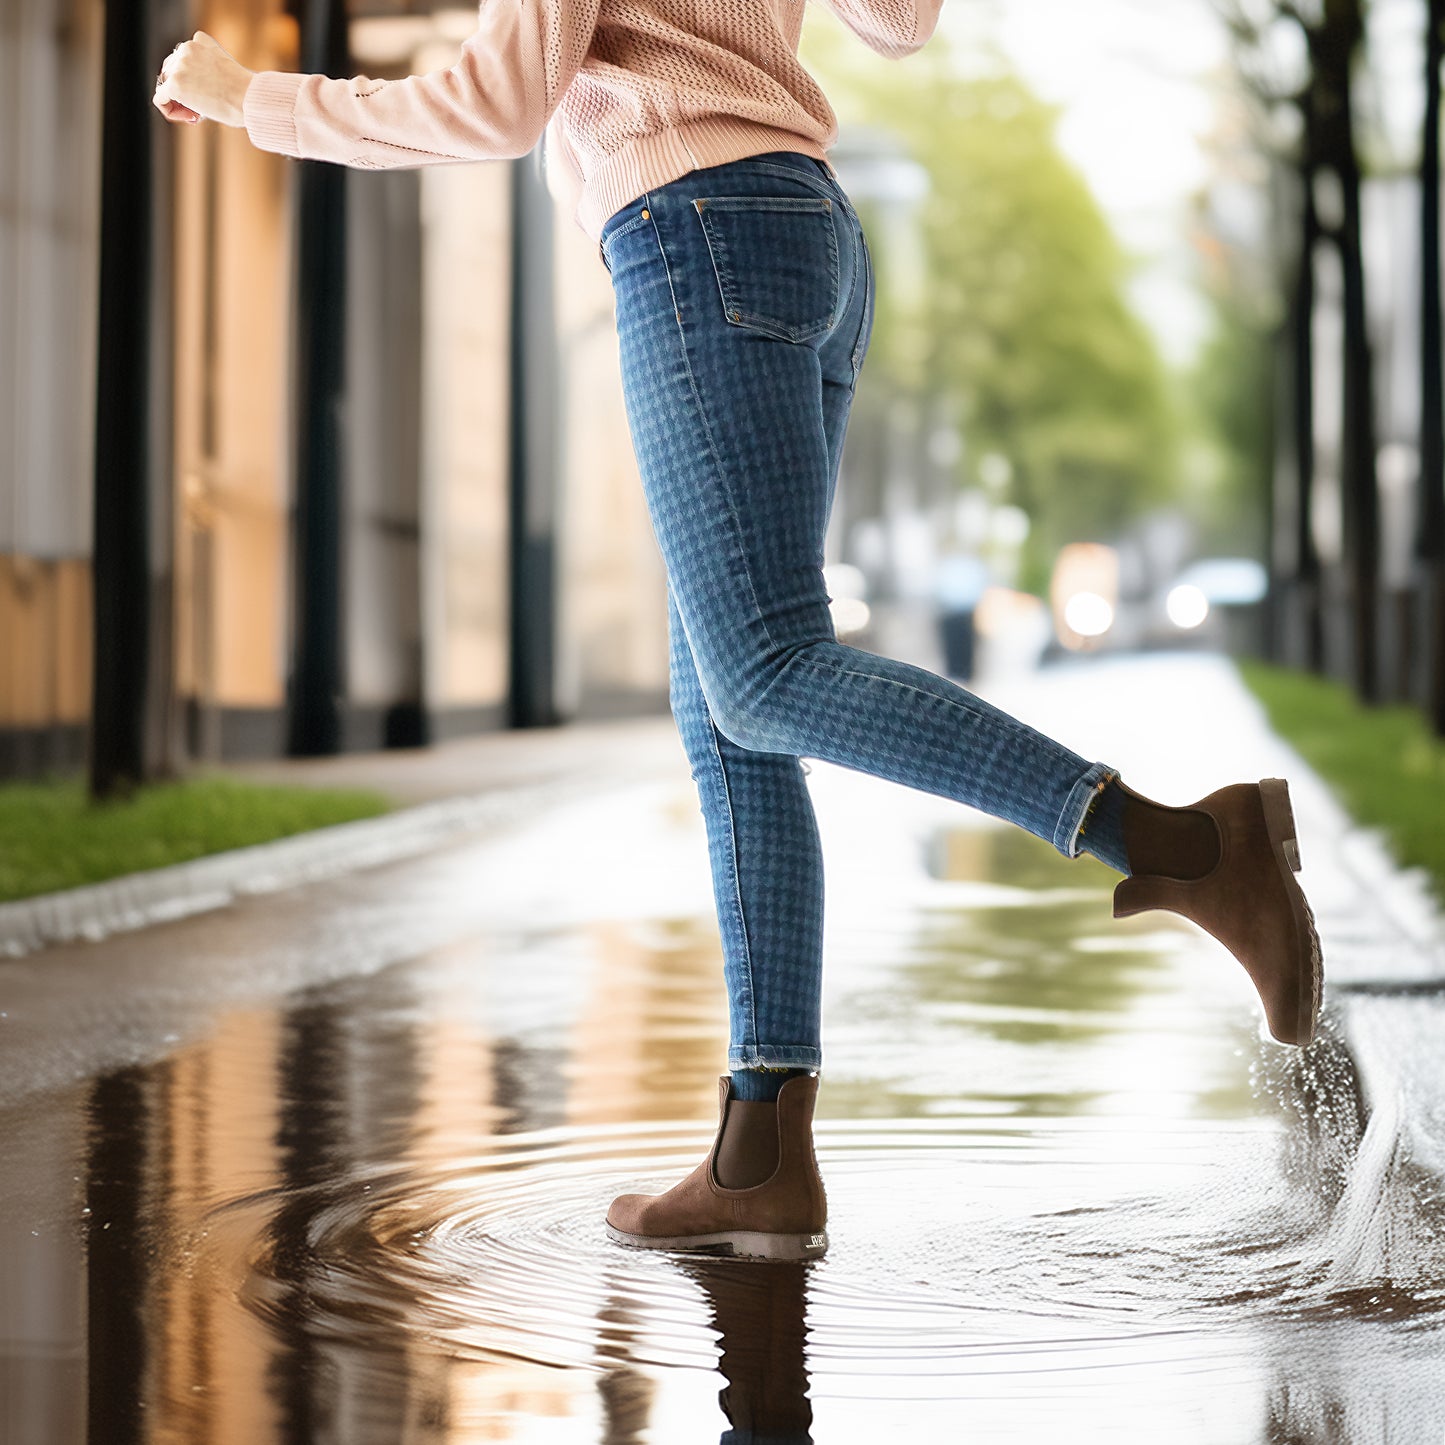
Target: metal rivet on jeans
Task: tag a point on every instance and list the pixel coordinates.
(646, 214)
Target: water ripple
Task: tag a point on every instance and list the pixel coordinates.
(1063, 1244)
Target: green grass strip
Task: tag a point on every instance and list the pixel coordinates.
(1383, 763)
(52, 837)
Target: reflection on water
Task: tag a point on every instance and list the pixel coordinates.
(1070, 1194)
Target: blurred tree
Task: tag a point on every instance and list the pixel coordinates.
(1231, 389)
(1328, 170)
(1020, 312)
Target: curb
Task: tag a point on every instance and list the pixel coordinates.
(160, 895)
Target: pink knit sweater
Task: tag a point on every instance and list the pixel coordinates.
(630, 94)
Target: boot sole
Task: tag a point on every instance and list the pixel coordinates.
(1279, 821)
(735, 1243)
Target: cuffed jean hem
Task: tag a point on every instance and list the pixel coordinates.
(1076, 807)
(778, 1056)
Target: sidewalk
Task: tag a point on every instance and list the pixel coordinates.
(578, 753)
(442, 793)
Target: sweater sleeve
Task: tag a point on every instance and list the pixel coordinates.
(494, 103)
(894, 28)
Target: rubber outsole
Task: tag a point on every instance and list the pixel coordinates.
(730, 1243)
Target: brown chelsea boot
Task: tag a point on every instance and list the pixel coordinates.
(783, 1217)
(1248, 899)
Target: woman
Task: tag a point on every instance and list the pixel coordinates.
(692, 146)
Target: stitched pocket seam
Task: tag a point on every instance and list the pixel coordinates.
(728, 290)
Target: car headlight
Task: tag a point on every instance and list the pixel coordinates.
(1088, 614)
(1186, 605)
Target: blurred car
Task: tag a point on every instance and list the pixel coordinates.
(1211, 602)
(1084, 595)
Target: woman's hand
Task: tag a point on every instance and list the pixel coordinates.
(201, 80)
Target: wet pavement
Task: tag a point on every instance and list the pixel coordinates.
(331, 1164)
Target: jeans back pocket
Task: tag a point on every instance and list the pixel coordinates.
(776, 260)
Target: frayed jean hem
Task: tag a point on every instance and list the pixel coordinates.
(778, 1056)
(1076, 807)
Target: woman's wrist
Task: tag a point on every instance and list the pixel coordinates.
(236, 98)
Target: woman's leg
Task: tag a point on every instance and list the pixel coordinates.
(763, 843)
(743, 301)
(738, 300)
(767, 874)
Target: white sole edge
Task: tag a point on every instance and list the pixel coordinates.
(741, 1243)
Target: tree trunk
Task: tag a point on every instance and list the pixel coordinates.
(1430, 535)
(1335, 45)
(1302, 315)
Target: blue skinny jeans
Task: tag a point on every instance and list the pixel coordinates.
(744, 305)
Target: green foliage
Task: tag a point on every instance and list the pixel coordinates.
(1021, 314)
(1232, 397)
(1383, 763)
(52, 836)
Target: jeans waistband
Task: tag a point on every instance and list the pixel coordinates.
(812, 162)
(798, 158)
